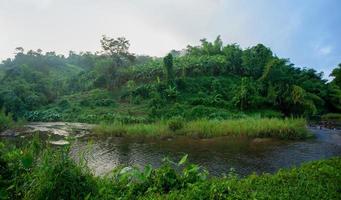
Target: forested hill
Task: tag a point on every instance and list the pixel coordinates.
(212, 80)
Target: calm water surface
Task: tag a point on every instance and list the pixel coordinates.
(217, 155)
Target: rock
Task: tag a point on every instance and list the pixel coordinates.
(9, 133)
(261, 140)
(59, 142)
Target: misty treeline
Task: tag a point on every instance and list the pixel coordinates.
(210, 78)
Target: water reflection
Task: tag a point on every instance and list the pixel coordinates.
(217, 155)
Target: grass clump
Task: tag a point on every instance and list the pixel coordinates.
(251, 127)
(331, 117)
(176, 123)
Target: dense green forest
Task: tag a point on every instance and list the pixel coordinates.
(212, 80)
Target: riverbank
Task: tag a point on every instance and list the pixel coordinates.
(40, 172)
(250, 127)
(313, 180)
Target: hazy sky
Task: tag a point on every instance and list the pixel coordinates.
(306, 31)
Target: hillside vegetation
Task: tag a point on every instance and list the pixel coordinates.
(212, 81)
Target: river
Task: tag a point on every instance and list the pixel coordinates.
(217, 155)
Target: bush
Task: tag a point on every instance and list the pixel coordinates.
(36, 171)
(6, 174)
(64, 104)
(176, 123)
(56, 176)
(104, 102)
(6, 121)
(45, 115)
(199, 112)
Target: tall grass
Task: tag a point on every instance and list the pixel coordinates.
(121, 129)
(251, 127)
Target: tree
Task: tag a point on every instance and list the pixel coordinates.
(206, 48)
(19, 50)
(246, 94)
(334, 98)
(117, 51)
(336, 73)
(233, 55)
(255, 59)
(168, 64)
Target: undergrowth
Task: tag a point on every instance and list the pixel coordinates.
(37, 171)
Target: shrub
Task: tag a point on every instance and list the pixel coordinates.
(6, 121)
(85, 102)
(143, 91)
(64, 104)
(176, 123)
(56, 176)
(6, 174)
(200, 111)
(45, 115)
(104, 102)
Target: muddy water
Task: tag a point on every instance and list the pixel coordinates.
(217, 155)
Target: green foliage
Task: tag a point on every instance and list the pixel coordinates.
(32, 80)
(336, 73)
(6, 121)
(168, 63)
(246, 95)
(52, 174)
(251, 127)
(315, 180)
(334, 97)
(58, 177)
(331, 117)
(212, 77)
(176, 123)
(34, 173)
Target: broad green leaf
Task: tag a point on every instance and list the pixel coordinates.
(183, 160)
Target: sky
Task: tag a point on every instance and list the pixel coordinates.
(308, 32)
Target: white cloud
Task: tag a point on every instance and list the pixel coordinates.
(326, 50)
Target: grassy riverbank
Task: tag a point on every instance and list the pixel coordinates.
(33, 173)
(251, 127)
(314, 180)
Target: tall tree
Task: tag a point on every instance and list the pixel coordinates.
(168, 64)
(117, 51)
